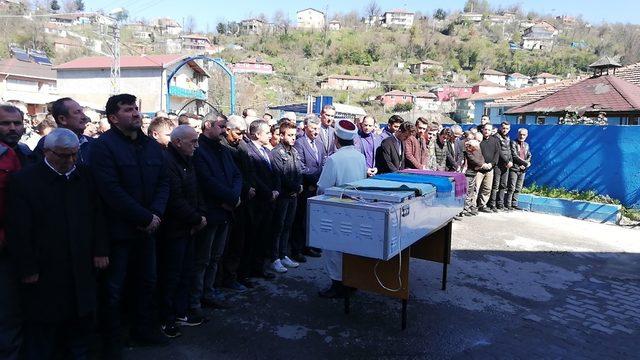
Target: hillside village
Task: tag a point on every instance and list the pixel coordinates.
(446, 65)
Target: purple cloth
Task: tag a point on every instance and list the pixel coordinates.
(459, 179)
(368, 145)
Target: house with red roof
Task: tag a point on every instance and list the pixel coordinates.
(348, 82)
(88, 79)
(614, 100)
(28, 83)
(395, 97)
(488, 87)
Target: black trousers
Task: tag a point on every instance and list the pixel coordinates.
(282, 224)
(235, 249)
(299, 232)
(499, 188)
(63, 339)
(175, 260)
(258, 237)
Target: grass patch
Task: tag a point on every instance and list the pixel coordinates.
(589, 195)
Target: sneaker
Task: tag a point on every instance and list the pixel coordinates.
(278, 267)
(485, 210)
(493, 209)
(516, 207)
(457, 217)
(311, 253)
(289, 263)
(235, 285)
(190, 320)
(170, 330)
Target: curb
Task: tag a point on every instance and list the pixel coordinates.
(577, 209)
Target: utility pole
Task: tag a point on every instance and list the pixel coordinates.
(115, 65)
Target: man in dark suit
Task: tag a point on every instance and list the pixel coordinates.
(56, 259)
(131, 176)
(262, 208)
(390, 156)
(312, 158)
(521, 162)
(233, 275)
(68, 114)
(326, 131)
(221, 185)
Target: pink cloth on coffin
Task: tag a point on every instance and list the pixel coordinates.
(459, 179)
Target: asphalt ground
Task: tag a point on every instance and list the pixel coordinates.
(520, 286)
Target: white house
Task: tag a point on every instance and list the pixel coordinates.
(399, 18)
(488, 87)
(538, 37)
(545, 78)
(27, 83)
(310, 19)
(517, 80)
(471, 17)
(425, 65)
(88, 79)
(334, 25)
(494, 76)
(348, 82)
(198, 44)
(167, 26)
(425, 100)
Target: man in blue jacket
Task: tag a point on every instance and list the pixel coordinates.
(221, 184)
(131, 175)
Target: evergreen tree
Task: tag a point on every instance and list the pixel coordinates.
(54, 5)
(79, 5)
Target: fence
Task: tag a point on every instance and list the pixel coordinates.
(581, 157)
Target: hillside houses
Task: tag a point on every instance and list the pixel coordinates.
(310, 19)
(348, 82)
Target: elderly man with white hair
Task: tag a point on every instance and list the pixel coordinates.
(183, 218)
(57, 259)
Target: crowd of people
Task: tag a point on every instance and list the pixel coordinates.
(158, 218)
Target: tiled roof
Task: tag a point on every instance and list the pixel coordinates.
(104, 62)
(350, 77)
(527, 95)
(492, 72)
(487, 83)
(602, 93)
(425, 94)
(26, 69)
(605, 61)
(397, 93)
(517, 75)
(545, 75)
(630, 73)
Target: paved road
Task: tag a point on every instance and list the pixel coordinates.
(521, 286)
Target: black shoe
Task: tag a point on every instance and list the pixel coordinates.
(508, 208)
(457, 217)
(263, 275)
(311, 253)
(516, 207)
(215, 304)
(473, 212)
(171, 330)
(485, 210)
(493, 209)
(149, 338)
(299, 258)
(190, 320)
(247, 283)
(499, 209)
(336, 291)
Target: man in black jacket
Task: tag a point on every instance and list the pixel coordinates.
(286, 164)
(390, 155)
(521, 162)
(233, 276)
(490, 148)
(131, 176)
(221, 185)
(11, 131)
(57, 259)
(501, 172)
(183, 218)
(267, 192)
(68, 114)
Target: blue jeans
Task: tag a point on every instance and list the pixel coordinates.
(209, 247)
(133, 259)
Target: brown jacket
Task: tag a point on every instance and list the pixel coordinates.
(416, 153)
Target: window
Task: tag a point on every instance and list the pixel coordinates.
(522, 120)
(500, 111)
(633, 121)
(485, 111)
(541, 120)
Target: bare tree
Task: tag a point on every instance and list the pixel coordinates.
(190, 24)
(372, 9)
